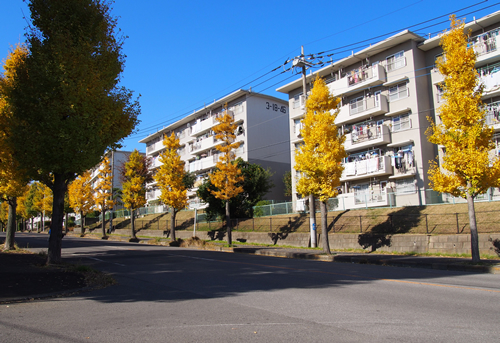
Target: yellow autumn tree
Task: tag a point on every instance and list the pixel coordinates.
(227, 174)
(4, 214)
(468, 168)
(13, 181)
(43, 202)
(102, 192)
(23, 207)
(170, 179)
(81, 197)
(135, 175)
(319, 158)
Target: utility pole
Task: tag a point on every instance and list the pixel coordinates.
(301, 62)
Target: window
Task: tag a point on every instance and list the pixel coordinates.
(297, 127)
(357, 105)
(297, 100)
(401, 123)
(396, 61)
(496, 140)
(398, 91)
(439, 93)
(405, 186)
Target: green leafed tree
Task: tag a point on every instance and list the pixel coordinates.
(468, 167)
(256, 184)
(68, 107)
(319, 158)
(136, 174)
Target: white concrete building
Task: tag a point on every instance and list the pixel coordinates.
(387, 92)
(262, 130)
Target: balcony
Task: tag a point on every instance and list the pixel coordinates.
(486, 46)
(370, 167)
(154, 147)
(363, 108)
(203, 163)
(493, 119)
(368, 137)
(153, 194)
(203, 145)
(358, 79)
(404, 169)
(370, 198)
(491, 82)
(297, 108)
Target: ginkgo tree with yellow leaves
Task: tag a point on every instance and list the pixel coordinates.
(13, 180)
(136, 174)
(319, 158)
(81, 197)
(468, 167)
(170, 179)
(227, 175)
(102, 192)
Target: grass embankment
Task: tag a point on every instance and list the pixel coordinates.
(435, 219)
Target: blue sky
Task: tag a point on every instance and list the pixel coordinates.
(183, 54)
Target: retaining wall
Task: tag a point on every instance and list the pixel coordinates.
(449, 244)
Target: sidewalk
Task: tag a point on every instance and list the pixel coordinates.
(429, 262)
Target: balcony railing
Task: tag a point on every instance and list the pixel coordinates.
(362, 74)
(485, 43)
(367, 196)
(367, 104)
(365, 168)
(366, 134)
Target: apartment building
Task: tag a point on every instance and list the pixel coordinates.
(387, 92)
(117, 159)
(384, 105)
(485, 40)
(262, 131)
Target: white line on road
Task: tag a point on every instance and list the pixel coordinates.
(97, 259)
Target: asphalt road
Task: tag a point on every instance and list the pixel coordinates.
(182, 295)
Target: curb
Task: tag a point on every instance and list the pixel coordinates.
(46, 295)
(459, 266)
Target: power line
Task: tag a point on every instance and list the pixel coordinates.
(144, 132)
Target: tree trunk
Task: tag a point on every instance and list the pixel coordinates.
(228, 221)
(312, 220)
(11, 224)
(43, 221)
(474, 240)
(104, 222)
(82, 224)
(39, 226)
(132, 223)
(66, 224)
(172, 224)
(324, 228)
(31, 224)
(55, 239)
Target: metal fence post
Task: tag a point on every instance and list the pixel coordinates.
(426, 224)
(458, 229)
(271, 224)
(360, 224)
(253, 224)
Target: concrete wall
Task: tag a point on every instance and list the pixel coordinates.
(449, 244)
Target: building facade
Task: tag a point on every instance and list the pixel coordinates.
(117, 159)
(262, 132)
(388, 91)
